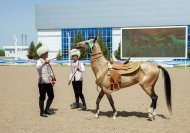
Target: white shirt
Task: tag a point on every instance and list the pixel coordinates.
(44, 71)
(78, 74)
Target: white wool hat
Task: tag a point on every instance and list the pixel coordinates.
(74, 52)
(42, 50)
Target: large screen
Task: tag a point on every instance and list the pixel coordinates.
(151, 42)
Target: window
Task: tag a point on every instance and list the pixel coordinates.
(87, 33)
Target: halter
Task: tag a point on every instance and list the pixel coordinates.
(91, 45)
(94, 56)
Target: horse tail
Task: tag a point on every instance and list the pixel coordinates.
(167, 84)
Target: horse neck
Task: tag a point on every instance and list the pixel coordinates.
(100, 64)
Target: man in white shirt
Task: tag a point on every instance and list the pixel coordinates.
(77, 68)
(46, 77)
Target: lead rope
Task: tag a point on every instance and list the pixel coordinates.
(53, 79)
(73, 74)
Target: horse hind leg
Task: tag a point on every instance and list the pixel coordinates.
(152, 110)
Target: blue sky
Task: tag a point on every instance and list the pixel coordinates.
(18, 17)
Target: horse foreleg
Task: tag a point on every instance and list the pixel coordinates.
(112, 104)
(101, 94)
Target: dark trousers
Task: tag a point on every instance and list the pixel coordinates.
(43, 89)
(46, 88)
(77, 87)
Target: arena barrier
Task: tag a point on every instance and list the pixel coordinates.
(168, 63)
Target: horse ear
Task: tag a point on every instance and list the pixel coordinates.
(95, 39)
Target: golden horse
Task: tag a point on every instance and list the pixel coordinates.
(146, 76)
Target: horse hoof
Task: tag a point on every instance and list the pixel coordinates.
(150, 119)
(153, 117)
(150, 115)
(96, 116)
(114, 117)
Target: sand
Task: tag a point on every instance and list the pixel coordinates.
(19, 111)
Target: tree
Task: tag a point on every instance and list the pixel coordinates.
(2, 52)
(31, 51)
(78, 38)
(59, 56)
(103, 45)
(35, 55)
(117, 52)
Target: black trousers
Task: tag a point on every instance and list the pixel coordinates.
(46, 88)
(77, 87)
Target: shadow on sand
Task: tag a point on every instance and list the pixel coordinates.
(53, 110)
(126, 114)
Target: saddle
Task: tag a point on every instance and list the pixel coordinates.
(120, 69)
(119, 66)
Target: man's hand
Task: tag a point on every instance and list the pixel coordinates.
(69, 82)
(46, 62)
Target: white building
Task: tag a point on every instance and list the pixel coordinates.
(20, 52)
(55, 21)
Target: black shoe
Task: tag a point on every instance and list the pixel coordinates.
(84, 107)
(75, 106)
(48, 112)
(41, 105)
(48, 104)
(43, 115)
(83, 104)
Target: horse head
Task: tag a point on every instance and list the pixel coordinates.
(86, 45)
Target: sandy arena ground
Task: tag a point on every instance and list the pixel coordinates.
(19, 111)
